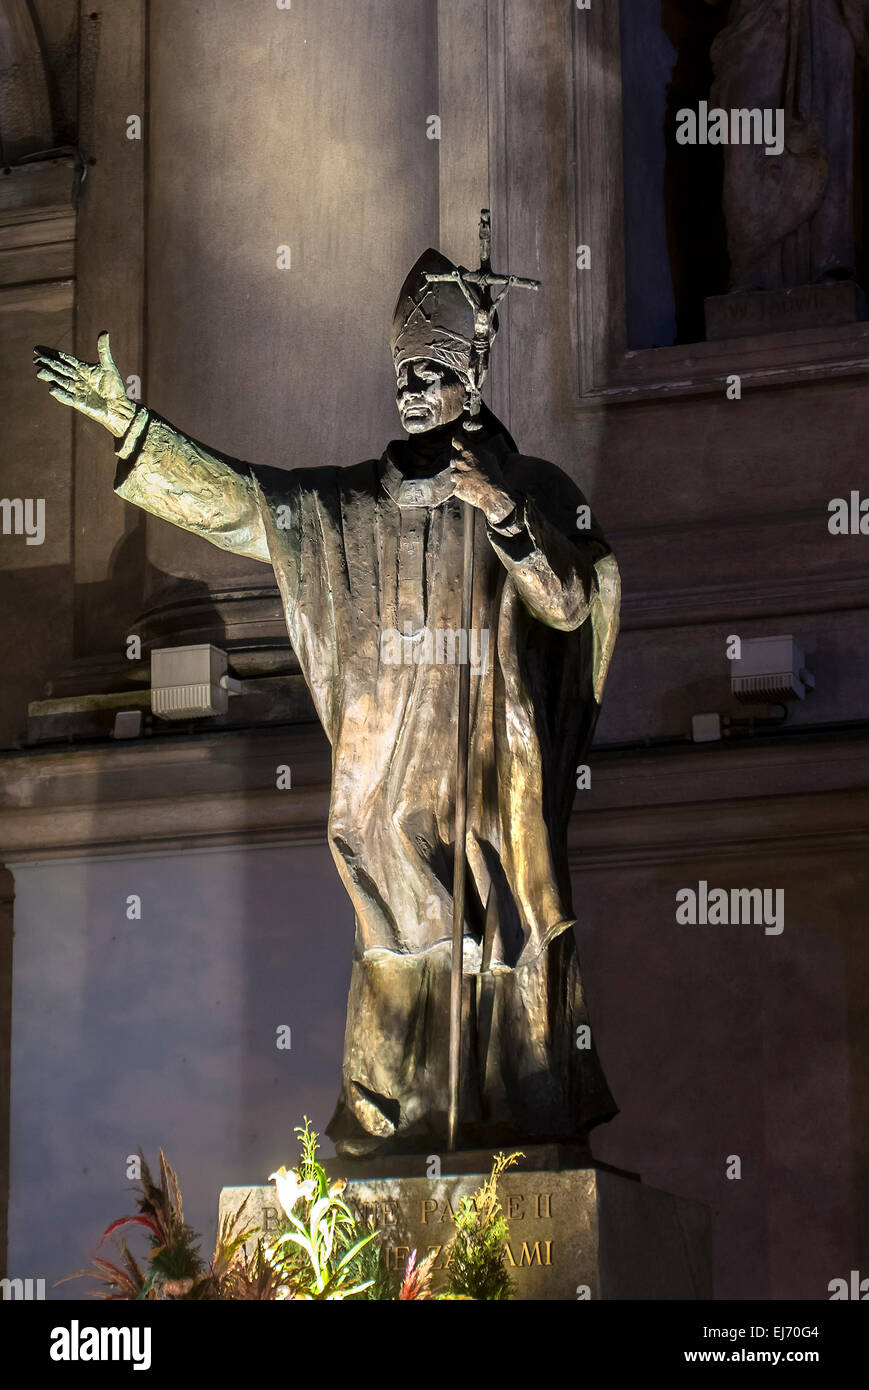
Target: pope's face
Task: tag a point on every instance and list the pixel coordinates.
(428, 395)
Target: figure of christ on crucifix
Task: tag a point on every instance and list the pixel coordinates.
(380, 548)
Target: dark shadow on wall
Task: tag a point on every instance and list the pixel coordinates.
(692, 183)
(298, 942)
(35, 602)
(104, 610)
(675, 244)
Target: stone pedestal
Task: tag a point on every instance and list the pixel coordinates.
(748, 314)
(575, 1233)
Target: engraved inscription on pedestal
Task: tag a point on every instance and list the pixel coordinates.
(753, 313)
(581, 1233)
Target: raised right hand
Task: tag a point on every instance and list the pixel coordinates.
(96, 391)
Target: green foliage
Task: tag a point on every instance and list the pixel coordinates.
(369, 1268)
(318, 1253)
(476, 1261)
(176, 1269)
(251, 1278)
(174, 1257)
(308, 1147)
(235, 1275)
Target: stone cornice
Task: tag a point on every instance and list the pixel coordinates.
(751, 827)
(176, 794)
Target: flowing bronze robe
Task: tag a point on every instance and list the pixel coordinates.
(364, 551)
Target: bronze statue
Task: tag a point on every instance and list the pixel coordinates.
(369, 562)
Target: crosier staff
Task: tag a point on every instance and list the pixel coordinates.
(484, 290)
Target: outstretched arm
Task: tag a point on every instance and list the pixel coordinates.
(159, 468)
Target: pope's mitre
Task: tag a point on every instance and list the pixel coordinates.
(432, 322)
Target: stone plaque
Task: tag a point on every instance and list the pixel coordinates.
(753, 313)
(574, 1234)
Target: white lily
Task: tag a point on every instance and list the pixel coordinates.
(290, 1189)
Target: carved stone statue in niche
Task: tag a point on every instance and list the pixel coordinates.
(790, 217)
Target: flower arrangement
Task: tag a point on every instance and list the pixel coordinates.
(321, 1251)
